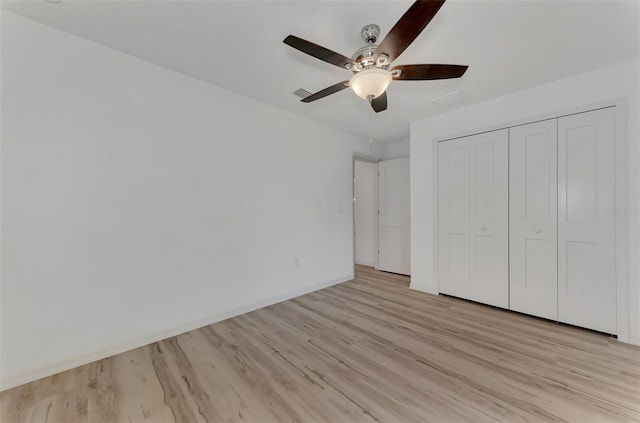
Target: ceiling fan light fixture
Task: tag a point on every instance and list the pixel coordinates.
(370, 83)
(370, 63)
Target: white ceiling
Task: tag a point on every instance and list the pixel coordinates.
(509, 45)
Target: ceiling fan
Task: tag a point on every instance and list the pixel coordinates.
(370, 64)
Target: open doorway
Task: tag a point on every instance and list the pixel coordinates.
(381, 215)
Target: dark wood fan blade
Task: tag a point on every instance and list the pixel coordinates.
(408, 28)
(379, 103)
(424, 72)
(327, 91)
(318, 52)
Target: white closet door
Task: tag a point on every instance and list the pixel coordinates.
(453, 218)
(394, 207)
(489, 218)
(473, 218)
(533, 205)
(586, 226)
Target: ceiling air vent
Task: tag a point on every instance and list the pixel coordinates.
(302, 93)
(451, 98)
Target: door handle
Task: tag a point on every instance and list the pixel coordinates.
(483, 227)
(537, 230)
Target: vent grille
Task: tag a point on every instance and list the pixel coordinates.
(302, 93)
(451, 98)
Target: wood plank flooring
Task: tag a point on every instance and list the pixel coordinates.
(368, 350)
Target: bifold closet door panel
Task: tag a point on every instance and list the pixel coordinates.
(473, 218)
(489, 218)
(533, 214)
(453, 218)
(586, 226)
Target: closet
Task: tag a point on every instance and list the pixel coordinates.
(525, 219)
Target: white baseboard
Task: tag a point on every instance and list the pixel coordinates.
(423, 288)
(635, 341)
(365, 263)
(17, 379)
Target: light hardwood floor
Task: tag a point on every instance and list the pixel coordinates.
(369, 350)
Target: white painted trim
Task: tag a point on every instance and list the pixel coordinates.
(61, 366)
(424, 288)
(365, 263)
(633, 340)
(526, 121)
(376, 234)
(436, 219)
(622, 194)
(622, 229)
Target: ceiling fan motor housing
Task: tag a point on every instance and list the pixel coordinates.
(364, 55)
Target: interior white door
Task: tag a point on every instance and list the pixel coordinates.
(365, 212)
(453, 218)
(586, 224)
(533, 215)
(473, 218)
(394, 245)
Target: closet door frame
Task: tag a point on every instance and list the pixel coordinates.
(621, 211)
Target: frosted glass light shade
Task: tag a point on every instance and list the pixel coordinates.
(370, 82)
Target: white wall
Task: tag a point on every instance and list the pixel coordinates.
(366, 211)
(394, 150)
(600, 85)
(138, 202)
